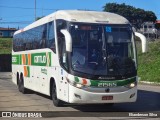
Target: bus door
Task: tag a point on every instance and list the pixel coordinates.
(63, 84)
(43, 79)
(40, 81)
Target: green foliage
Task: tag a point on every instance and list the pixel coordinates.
(5, 45)
(134, 15)
(149, 63)
(38, 18)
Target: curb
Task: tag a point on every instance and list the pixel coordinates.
(5, 75)
(149, 83)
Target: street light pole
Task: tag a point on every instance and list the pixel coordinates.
(35, 9)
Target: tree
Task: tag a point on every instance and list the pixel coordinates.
(39, 18)
(135, 15)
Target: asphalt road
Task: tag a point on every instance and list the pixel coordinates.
(12, 100)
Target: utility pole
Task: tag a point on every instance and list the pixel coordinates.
(35, 9)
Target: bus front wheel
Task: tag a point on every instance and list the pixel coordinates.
(56, 101)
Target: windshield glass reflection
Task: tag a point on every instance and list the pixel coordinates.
(102, 49)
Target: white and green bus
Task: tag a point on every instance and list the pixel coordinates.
(74, 56)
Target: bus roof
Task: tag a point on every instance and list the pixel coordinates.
(79, 16)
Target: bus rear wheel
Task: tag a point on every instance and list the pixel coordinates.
(21, 87)
(56, 101)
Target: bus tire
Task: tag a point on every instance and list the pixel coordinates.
(56, 101)
(21, 87)
(17, 78)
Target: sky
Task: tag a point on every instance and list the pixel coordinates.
(20, 13)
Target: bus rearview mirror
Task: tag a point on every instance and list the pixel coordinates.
(143, 41)
(68, 40)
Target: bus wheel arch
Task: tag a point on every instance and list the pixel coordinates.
(53, 93)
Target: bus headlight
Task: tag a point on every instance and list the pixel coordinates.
(78, 85)
(131, 85)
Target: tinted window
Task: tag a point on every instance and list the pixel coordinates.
(51, 37)
(36, 38)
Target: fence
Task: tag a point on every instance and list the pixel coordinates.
(5, 63)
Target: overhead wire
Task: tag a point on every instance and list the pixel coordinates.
(28, 8)
(19, 22)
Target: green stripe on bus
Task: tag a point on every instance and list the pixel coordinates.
(16, 59)
(109, 83)
(20, 59)
(26, 56)
(37, 59)
(113, 82)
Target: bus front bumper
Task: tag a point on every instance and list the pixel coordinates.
(77, 95)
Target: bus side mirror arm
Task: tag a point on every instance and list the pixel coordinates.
(143, 41)
(68, 40)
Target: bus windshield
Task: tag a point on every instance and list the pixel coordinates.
(102, 49)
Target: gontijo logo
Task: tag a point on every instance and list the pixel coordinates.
(40, 59)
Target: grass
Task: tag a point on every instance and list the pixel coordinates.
(149, 63)
(5, 45)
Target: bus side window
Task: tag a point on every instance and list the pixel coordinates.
(15, 46)
(44, 35)
(51, 37)
(35, 36)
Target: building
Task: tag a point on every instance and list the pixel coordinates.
(148, 28)
(7, 32)
(158, 24)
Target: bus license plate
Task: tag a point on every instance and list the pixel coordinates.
(107, 97)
